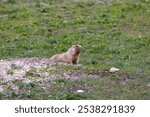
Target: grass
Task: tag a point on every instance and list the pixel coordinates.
(113, 34)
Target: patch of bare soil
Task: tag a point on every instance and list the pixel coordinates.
(16, 68)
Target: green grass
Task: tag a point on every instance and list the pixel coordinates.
(113, 34)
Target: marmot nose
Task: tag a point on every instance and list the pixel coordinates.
(80, 46)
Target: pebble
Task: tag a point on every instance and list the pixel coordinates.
(80, 91)
(113, 69)
(148, 85)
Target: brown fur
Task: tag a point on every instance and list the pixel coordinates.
(71, 56)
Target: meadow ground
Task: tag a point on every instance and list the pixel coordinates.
(114, 33)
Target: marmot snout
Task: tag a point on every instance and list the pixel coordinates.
(71, 56)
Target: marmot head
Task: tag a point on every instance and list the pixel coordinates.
(75, 49)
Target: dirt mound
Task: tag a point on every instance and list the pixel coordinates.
(17, 68)
(35, 69)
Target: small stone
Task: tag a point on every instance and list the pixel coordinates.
(148, 85)
(80, 91)
(113, 69)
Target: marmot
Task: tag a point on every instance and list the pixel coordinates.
(71, 56)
